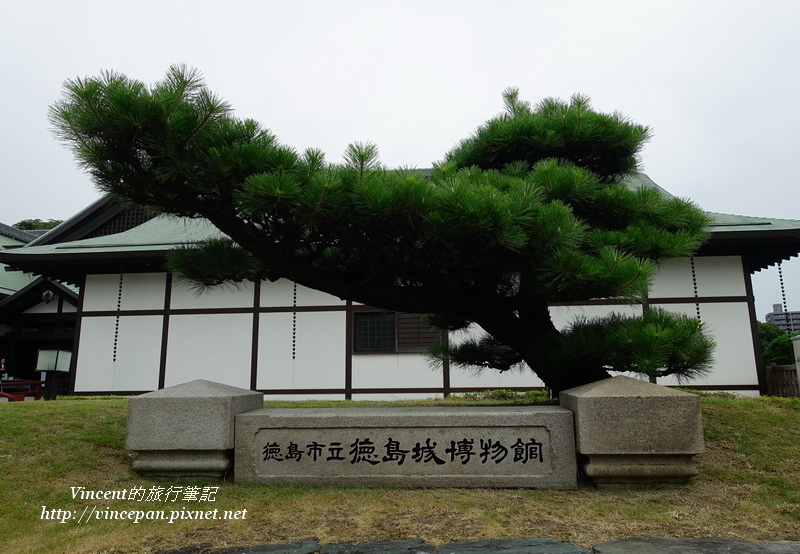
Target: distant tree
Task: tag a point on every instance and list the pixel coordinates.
(780, 351)
(767, 332)
(36, 224)
(529, 210)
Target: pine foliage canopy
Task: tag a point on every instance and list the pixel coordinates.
(529, 210)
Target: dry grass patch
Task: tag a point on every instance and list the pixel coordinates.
(748, 488)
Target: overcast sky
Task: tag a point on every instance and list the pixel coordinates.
(717, 81)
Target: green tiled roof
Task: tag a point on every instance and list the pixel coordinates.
(19, 236)
(729, 222)
(160, 233)
(8, 241)
(12, 281)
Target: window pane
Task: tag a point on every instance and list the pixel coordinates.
(374, 331)
(414, 334)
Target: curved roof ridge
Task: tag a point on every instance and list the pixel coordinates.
(16, 234)
(71, 221)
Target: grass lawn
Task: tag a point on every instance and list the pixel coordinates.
(748, 489)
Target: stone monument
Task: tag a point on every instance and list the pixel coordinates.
(525, 447)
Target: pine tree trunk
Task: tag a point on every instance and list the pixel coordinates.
(530, 331)
(566, 378)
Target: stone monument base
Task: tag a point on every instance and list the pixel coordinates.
(633, 433)
(186, 430)
(614, 471)
(213, 464)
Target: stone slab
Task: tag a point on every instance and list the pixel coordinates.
(512, 546)
(198, 415)
(307, 546)
(411, 546)
(671, 545)
(634, 545)
(526, 447)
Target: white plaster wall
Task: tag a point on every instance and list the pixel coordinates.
(674, 280)
(716, 276)
(138, 354)
(734, 357)
(303, 396)
(281, 293)
(225, 296)
(493, 379)
(319, 351)
(729, 324)
(563, 316)
(140, 291)
(51, 308)
(394, 371)
(396, 396)
(42, 308)
(216, 347)
(720, 276)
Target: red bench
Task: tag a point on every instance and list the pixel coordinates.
(34, 390)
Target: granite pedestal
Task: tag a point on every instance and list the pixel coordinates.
(187, 430)
(630, 432)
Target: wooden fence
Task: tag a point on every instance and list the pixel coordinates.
(782, 381)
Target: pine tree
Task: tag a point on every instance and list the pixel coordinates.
(530, 210)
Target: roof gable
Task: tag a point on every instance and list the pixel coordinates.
(106, 216)
(32, 295)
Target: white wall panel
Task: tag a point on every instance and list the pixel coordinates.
(394, 371)
(674, 280)
(42, 308)
(216, 347)
(734, 358)
(719, 276)
(319, 350)
(281, 293)
(225, 296)
(137, 359)
(140, 291)
(715, 275)
(564, 316)
(303, 396)
(493, 379)
(100, 292)
(389, 397)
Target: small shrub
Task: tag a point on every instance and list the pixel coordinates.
(514, 397)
